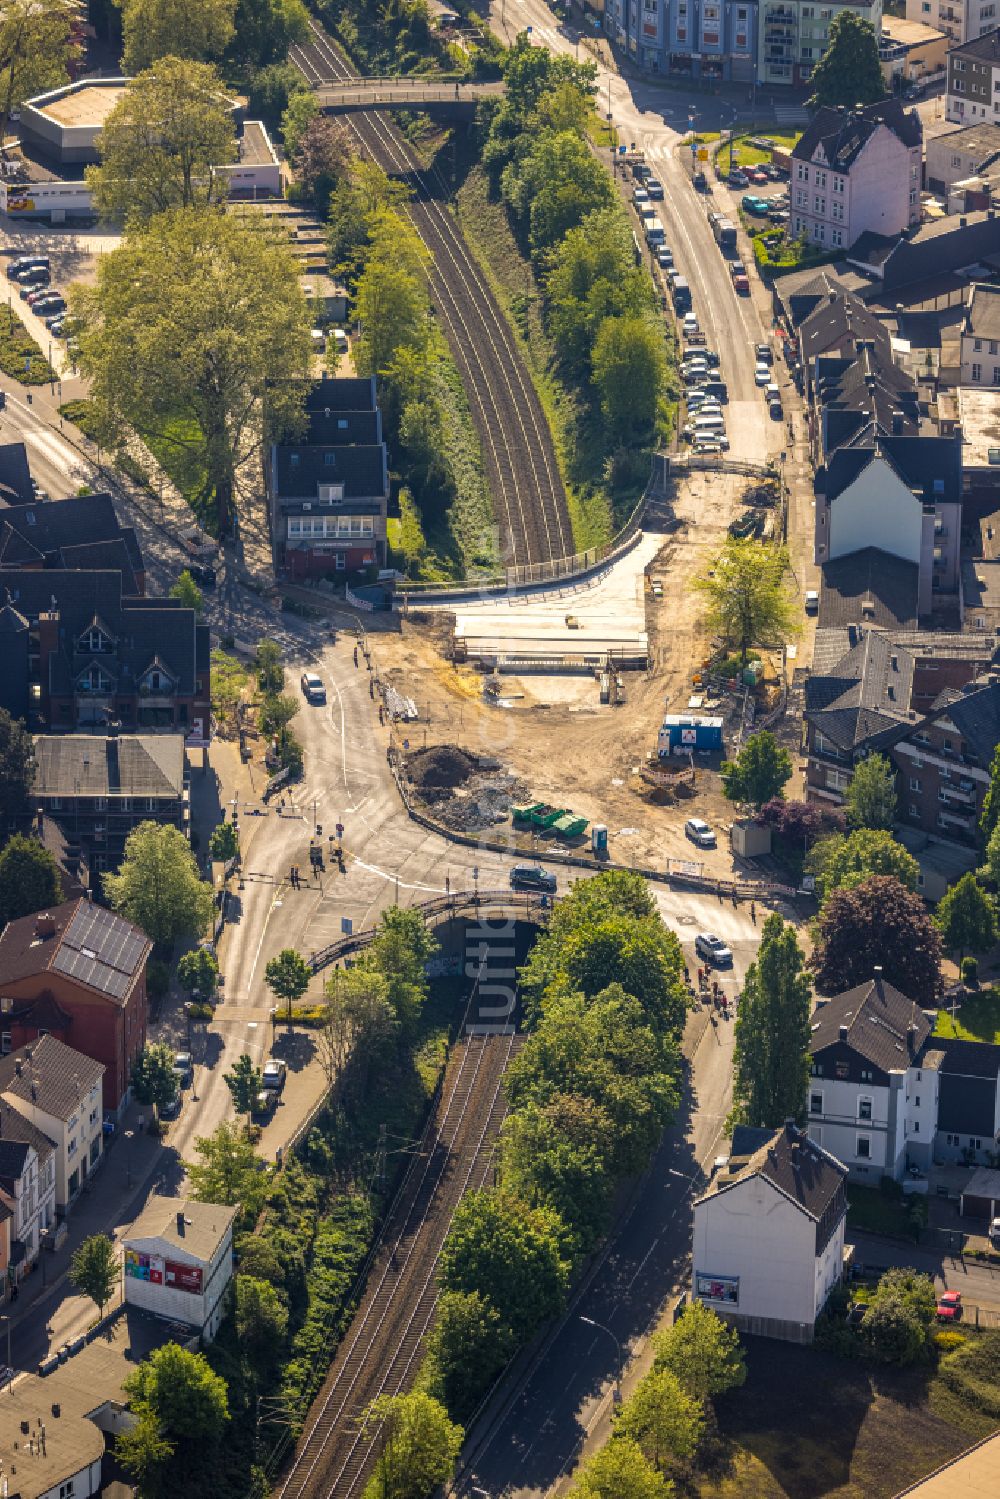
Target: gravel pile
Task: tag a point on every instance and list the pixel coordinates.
(465, 792)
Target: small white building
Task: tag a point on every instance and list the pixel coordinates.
(179, 1261)
(769, 1234)
(27, 1175)
(60, 1091)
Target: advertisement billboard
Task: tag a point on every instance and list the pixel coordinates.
(720, 1288)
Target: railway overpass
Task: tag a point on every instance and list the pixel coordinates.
(360, 94)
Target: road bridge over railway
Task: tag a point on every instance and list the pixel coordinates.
(438, 97)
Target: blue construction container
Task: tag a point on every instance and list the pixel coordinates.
(689, 731)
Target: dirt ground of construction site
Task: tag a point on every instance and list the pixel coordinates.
(554, 742)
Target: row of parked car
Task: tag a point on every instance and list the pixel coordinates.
(33, 275)
(763, 376)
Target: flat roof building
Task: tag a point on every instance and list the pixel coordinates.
(179, 1261)
(63, 125)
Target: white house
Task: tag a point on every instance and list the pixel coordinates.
(856, 172)
(973, 74)
(769, 1233)
(960, 20)
(27, 1175)
(981, 336)
(59, 1091)
(179, 1261)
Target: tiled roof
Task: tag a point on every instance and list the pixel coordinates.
(340, 429)
(878, 1019)
(14, 1126)
(838, 136)
(299, 470)
(975, 712)
(930, 466)
(204, 1225)
(49, 527)
(795, 1165)
(112, 555)
(935, 249)
(53, 1076)
(349, 394)
(841, 322)
(95, 765)
(13, 1155)
(985, 48)
(865, 695)
(83, 941)
(982, 316)
(869, 587)
(968, 1058)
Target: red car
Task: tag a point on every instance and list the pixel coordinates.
(756, 175)
(949, 1307)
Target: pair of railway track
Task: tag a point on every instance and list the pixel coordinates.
(380, 1352)
(528, 496)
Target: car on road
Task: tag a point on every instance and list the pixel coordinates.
(665, 256)
(762, 374)
(690, 324)
(741, 283)
(949, 1307)
(35, 275)
(312, 688)
(757, 207)
(184, 1068)
(273, 1074)
(640, 170)
(763, 353)
(709, 447)
(654, 188)
(699, 832)
(771, 392)
(532, 877)
(640, 197)
(713, 949)
(202, 573)
(263, 1105)
(775, 410)
(700, 182)
(811, 601)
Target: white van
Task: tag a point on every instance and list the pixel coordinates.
(655, 233)
(318, 339)
(709, 425)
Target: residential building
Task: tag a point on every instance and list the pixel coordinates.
(28, 1185)
(179, 1261)
(973, 88)
(928, 265)
(99, 788)
(58, 1090)
(968, 1099)
(981, 336)
(687, 38)
(78, 534)
(50, 1444)
(792, 36)
(943, 762)
(769, 1233)
(960, 155)
(77, 972)
(910, 50)
(857, 172)
(960, 20)
(329, 494)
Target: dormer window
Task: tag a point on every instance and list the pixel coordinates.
(331, 494)
(94, 642)
(94, 680)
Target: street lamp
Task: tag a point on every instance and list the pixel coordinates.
(129, 1137)
(591, 1322)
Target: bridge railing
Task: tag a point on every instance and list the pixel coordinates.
(455, 903)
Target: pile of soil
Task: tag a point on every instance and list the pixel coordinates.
(440, 765)
(466, 792)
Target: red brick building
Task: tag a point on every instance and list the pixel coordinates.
(78, 973)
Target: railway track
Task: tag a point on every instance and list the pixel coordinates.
(528, 496)
(380, 1352)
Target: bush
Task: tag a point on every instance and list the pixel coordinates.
(970, 970)
(948, 1340)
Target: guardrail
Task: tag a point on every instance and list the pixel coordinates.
(452, 904)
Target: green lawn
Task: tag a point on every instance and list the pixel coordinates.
(977, 1019)
(17, 345)
(874, 1212)
(745, 155)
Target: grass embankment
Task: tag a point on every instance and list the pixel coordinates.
(746, 155)
(16, 347)
(977, 1019)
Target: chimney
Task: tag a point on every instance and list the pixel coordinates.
(877, 971)
(897, 424)
(44, 925)
(180, 1224)
(843, 1033)
(18, 1068)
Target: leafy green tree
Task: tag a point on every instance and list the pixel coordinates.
(391, 300)
(467, 1348)
(870, 799)
(359, 1020)
(662, 1419)
(158, 886)
(359, 195)
(966, 918)
(154, 1082)
(244, 1082)
(177, 1396)
(508, 1254)
(158, 146)
(620, 1470)
(224, 843)
(302, 111)
(554, 185)
(746, 601)
(153, 29)
(145, 1454)
(277, 712)
(29, 878)
(37, 44)
(419, 1446)
(198, 973)
(849, 72)
(630, 370)
(591, 276)
(228, 1170)
(771, 1058)
(878, 923)
(759, 771)
(229, 678)
(703, 1353)
(187, 592)
(265, 29)
(990, 817)
(898, 1326)
(840, 862)
(548, 1161)
(400, 952)
(322, 157)
(991, 869)
(287, 976)
(94, 1270)
(17, 765)
(270, 672)
(197, 331)
(261, 1320)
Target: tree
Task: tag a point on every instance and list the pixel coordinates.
(321, 159)
(155, 29)
(197, 331)
(358, 1019)
(159, 144)
(878, 923)
(265, 29)
(849, 71)
(29, 878)
(224, 843)
(270, 672)
(467, 1348)
(643, 957)
(630, 368)
(277, 712)
(17, 765)
(391, 298)
(702, 1352)
(229, 677)
(187, 591)
(183, 1394)
(547, 1161)
(620, 1470)
(840, 863)
(662, 1419)
(228, 1170)
(592, 276)
(759, 771)
(898, 1325)
(771, 1058)
(144, 1453)
(966, 918)
(301, 111)
(154, 1081)
(157, 885)
(991, 869)
(94, 1270)
(198, 973)
(400, 952)
(37, 43)
(419, 1446)
(990, 817)
(509, 1255)
(870, 799)
(287, 976)
(261, 1320)
(799, 822)
(745, 597)
(553, 185)
(244, 1082)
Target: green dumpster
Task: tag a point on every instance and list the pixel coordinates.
(570, 825)
(544, 817)
(522, 812)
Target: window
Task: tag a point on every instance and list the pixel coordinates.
(863, 1148)
(917, 1100)
(329, 459)
(817, 1069)
(977, 344)
(952, 1139)
(5, 1042)
(975, 1144)
(815, 1103)
(916, 1126)
(866, 1074)
(837, 236)
(915, 783)
(865, 1109)
(996, 374)
(977, 372)
(841, 1071)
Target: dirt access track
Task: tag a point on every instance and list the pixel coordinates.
(554, 736)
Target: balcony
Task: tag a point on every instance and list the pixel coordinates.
(958, 796)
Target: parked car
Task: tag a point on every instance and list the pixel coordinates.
(35, 275)
(758, 207)
(22, 263)
(184, 1068)
(778, 215)
(263, 1105)
(718, 389)
(690, 324)
(709, 447)
(532, 877)
(738, 179)
(700, 182)
(340, 341)
(312, 688)
(741, 284)
(52, 302)
(812, 601)
(771, 392)
(763, 353)
(762, 374)
(33, 294)
(713, 949)
(699, 832)
(640, 169)
(172, 1109)
(758, 175)
(639, 196)
(202, 573)
(274, 1073)
(949, 1307)
(775, 410)
(654, 188)
(57, 325)
(665, 256)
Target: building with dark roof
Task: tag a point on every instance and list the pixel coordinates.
(329, 493)
(769, 1234)
(857, 171)
(27, 1189)
(934, 257)
(78, 973)
(15, 475)
(958, 155)
(973, 75)
(869, 587)
(65, 533)
(980, 337)
(58, 1090)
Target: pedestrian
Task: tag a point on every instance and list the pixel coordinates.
(753, 913)
(355, 655)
